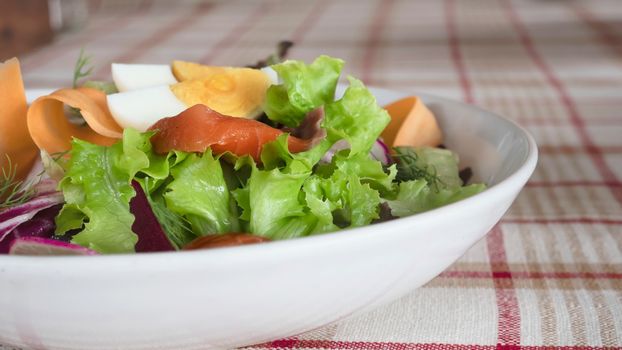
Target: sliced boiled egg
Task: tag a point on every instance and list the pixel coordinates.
(129, 77)
(139, 109)
(183, 71)
(272, 75)
(236, 92)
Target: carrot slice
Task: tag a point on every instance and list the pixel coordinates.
(52, 132)
(199, 127)
(412, 124)
(14, 138)
(103, 123)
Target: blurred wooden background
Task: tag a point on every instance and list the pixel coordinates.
(24, 25)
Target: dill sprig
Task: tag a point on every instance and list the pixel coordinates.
(13, 192)
(82, 68)
(409, 168)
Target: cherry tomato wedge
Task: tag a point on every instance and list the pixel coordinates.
(224, 240)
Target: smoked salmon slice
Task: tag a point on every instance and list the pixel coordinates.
(199, 127)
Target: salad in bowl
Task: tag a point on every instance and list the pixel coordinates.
(358, 193)
(187, 156)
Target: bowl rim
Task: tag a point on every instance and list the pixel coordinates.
(521, 175)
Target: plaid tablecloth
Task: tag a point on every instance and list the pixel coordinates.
(550, 274)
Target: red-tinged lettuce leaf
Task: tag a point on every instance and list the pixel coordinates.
(151, 235)
(5, 243)
(15, 216)
(41, 225)
(46, 246)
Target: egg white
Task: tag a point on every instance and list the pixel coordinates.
(145, 96)
(128, 77)
(140, 109)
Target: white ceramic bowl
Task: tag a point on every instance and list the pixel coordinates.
(231, 297)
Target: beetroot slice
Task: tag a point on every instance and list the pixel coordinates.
(151, 235)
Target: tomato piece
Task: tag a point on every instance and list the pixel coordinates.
(224, 240)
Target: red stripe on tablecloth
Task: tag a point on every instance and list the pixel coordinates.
(546, 221)
(237, 32)
(604, 31)
(516, 82)
(509, 314)
(310, 20)
(579, 183)
(531, 275)
(559, 122)
(112, 25)
(588, 150)
(456, 54)
(571, 109)
(508, 325)
(357, 345)
(158, 37)
(373, 39)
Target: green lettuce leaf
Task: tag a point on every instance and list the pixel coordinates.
(272, 202)
(97, 192)
(367, 169)
(276, 210)
(287, 199)
(416, 196)
(356, 117)
(276, 154)
(322, 208)
(304, 88)
(351, 202)
(362, 202)
(199, 192)
(439, 167)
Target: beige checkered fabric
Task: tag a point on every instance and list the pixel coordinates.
(550, 274)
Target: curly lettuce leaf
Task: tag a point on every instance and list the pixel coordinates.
(271, 201)
(287, 199)
(439, 167)
(351, 201)
(276, 210)
(320, 206)
(97, 189)
(304, 88)
(417, 196)
(356, 117)
(368, 170)
(276, 154)
(199, 192)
